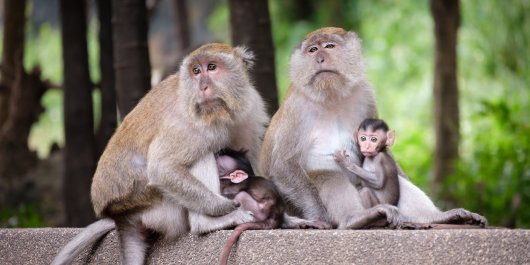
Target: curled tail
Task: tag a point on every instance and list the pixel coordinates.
(87, 237)
(235, 235)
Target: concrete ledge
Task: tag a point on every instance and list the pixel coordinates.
(454, 246)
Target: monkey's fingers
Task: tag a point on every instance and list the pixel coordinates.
(224, 207)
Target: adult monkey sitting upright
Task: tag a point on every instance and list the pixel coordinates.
(158, 172)
(328, 98)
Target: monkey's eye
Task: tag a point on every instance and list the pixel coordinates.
(211, 67)
(196, 70)
(373, 139)
(329, 46)
(363, 138)
(313, 49)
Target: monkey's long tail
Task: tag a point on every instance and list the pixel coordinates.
(87, 237)
(235, 235)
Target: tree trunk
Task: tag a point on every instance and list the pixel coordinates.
(131, 57)
(251, 26)
(14, 153)
(446, 16)
(15, 157)
(180, 8)
(108, 122)
(79, 155)
(13, 50)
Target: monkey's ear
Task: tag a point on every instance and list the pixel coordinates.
(245, 54)
(238, 176)
(390, 137)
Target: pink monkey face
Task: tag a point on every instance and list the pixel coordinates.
(370, 142)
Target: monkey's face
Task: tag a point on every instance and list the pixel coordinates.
(327, 64)
(215, 83)
(371, 142)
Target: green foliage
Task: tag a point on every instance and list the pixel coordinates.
(25, 215)
(44, 49)
(493, 175)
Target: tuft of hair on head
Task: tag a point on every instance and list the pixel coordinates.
(374, 124)
(241, 157)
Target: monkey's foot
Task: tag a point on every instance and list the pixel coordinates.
(463, 216)
(293, 222)
(413, 226)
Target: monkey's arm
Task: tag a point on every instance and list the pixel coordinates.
(182, 187)
(375, 179)
(167, 173)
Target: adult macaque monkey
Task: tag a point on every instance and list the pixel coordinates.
(158, 172)
(328, 98)
(379, 172)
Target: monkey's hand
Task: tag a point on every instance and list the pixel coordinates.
(222, 206)
(341, 157)
(243, 216)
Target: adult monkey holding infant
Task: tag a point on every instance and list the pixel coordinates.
(159, 173)
(328, 98)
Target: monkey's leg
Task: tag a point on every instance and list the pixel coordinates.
(416, 207)
(338, 195)
(295, 185)
(368, 198)
(166, 218)
(380, 215)
(201, 224)
(133, 243)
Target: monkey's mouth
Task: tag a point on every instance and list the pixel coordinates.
(211, 106)
(326, 71)
(368, 154)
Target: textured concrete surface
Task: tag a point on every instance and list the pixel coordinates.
(455, 246)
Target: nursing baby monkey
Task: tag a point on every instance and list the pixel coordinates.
(328, 98)
(158, 172)
(379, 172)
(255, 194)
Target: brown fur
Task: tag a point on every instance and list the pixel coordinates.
(158, 172)
(121, 177)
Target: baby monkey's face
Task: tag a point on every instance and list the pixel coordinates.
(371, 142)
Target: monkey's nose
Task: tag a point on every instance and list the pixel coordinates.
(204, 88)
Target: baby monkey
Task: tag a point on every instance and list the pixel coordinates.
(379, 172)
(255, 194)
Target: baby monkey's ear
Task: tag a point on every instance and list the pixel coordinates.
(238, 176)
(390, 137)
